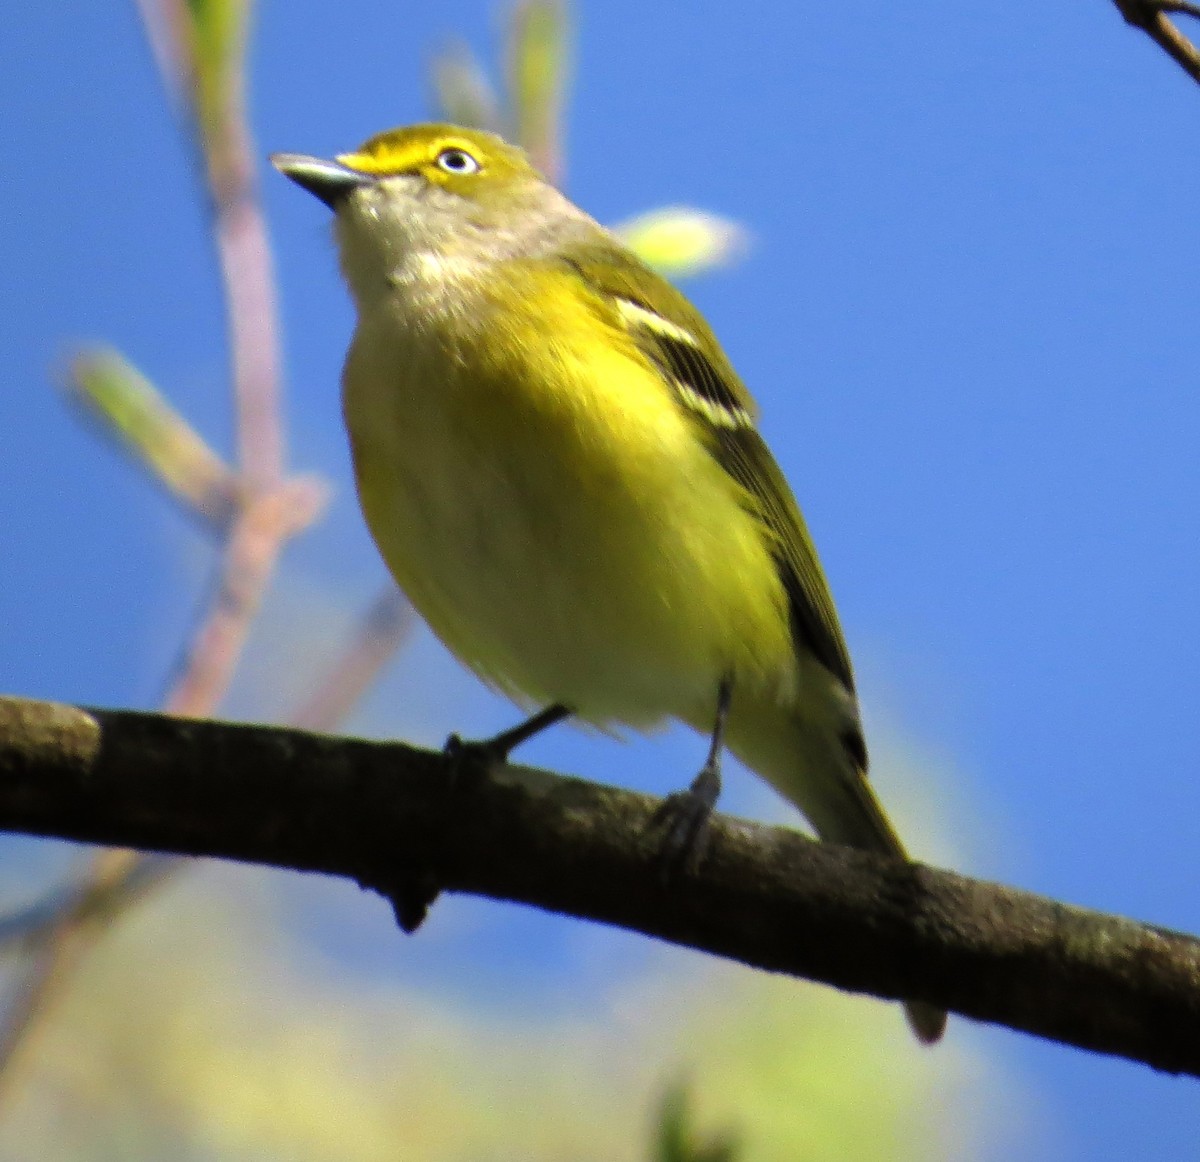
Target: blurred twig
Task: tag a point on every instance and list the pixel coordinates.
(201, 47)
(1151, 17)
(383, 629)
(128, 408)
(536, 77)
(677, 1140)
(463, 92)
(264, 523)
(58, 933)
(529, 111)
(82, 901)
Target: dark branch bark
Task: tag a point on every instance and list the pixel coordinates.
(393, 819)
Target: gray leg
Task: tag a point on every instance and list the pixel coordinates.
(686, 813)
(491, 752)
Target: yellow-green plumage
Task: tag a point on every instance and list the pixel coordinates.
(561, 470)
(527, 515)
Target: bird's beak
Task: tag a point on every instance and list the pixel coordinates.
(328, 180)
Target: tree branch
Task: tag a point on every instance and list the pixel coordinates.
(1150, 17)
(391, 817)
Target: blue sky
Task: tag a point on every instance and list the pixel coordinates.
(970, 318)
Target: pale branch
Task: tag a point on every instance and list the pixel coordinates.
(89, 899)
(58, 937)
(403, 822)
(374, 643)
(265, 522)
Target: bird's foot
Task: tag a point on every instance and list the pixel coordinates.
(475, 760)
(685, 815)
(472, 760)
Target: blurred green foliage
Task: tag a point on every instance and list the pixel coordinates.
(130, 408)
(679, 1141)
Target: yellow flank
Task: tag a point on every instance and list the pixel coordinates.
(565, 533)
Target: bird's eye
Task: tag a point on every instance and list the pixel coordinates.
(457, 161)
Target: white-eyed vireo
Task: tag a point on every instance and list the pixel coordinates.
(562, 472)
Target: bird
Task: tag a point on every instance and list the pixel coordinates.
(563, 473)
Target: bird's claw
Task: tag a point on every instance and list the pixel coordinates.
(685, 815)
(471, 762)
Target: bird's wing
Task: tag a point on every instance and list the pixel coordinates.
(674, 336)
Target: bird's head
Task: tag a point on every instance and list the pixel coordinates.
(430, 194)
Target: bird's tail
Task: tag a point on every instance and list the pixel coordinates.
(823, 775)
